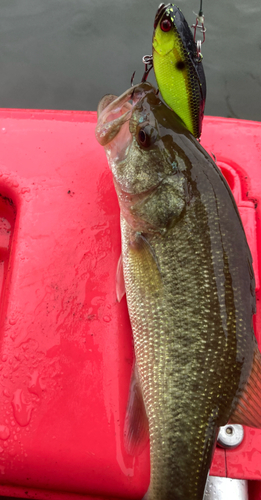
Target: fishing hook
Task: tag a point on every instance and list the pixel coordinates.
(148, 61)
(132, 78)
(200, 24)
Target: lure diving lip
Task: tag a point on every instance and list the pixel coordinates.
(178, 68)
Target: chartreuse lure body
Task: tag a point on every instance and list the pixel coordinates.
(178, 67)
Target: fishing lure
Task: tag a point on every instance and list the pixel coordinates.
(177, 63)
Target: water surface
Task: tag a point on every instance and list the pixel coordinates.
(66, 54)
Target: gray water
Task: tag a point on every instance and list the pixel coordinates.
(66, 54)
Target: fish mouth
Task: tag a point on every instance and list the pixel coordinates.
(112, 130)
(112, 113)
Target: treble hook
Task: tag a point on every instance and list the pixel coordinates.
(132, 78)
(148, 61)
(200, 24)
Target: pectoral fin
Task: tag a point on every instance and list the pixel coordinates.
(142, 252)
(136, 428)
(248, 410)
(120, 284)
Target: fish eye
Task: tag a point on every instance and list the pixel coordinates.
(143, 138)
(165, 25)
(146, 136)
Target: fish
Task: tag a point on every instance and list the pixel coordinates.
(186, 269)
(178, 68)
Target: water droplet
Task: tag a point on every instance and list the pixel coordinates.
(107, 319)
(35, 386)
(1, 449)
(6, 393)
(3, 130)
(13, 320)
(4, 432)
(4, 357)
(96, 301)
(25, 190)
(22, 411)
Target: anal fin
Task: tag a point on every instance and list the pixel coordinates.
(136, 428)
(248, 410)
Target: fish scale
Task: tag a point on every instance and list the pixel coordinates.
(190, 293)
(186, 328)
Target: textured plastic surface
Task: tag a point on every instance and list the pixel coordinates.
(66, 347)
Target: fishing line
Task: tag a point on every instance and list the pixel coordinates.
(200, 9)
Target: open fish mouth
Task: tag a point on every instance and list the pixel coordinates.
(114, 113)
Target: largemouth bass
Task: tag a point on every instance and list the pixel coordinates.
(178, 68)
(190, 291)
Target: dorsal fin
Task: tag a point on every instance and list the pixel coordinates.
(248, 410)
